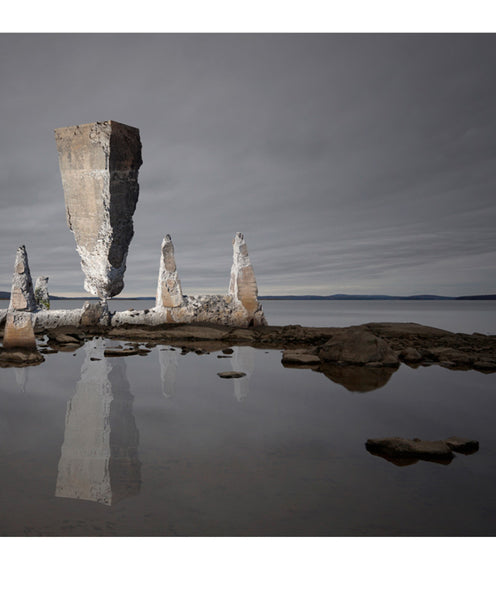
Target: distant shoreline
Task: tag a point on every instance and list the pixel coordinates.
(6, 296)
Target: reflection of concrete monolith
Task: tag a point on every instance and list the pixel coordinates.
(169, 293)
(41, 293)
(243, 286)
(243, 359)
(99, 457)
(99, 165)
(22, 294)
(168, 368)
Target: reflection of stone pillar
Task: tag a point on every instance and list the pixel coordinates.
(99, 460)
(168, 368)
(99, 165)
(169, 292)
(22, 376)
(243, 359)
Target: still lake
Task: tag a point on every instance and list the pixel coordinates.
(159, 445)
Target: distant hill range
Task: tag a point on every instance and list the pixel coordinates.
(380, 297)
(6, 296)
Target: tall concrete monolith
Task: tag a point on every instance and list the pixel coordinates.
(99, 165)
(169, 292)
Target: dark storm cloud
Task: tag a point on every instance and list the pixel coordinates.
(351, 162)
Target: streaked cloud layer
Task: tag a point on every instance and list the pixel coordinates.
(352, 163)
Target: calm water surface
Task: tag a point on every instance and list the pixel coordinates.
(159, 445)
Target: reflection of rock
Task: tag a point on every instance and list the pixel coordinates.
(358, 378)
(99, 165)
(402, 451)
(22, 376)
(99, 458)
(168, 367)
(243, 360)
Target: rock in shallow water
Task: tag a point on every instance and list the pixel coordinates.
(231, 374)
(99, 165)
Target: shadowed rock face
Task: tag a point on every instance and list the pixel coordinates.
(99, 165)
(41, 294)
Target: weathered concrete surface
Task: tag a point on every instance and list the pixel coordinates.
(22, 294)
(19, 331)
(242, 285)
(41, 293)
(99, 165)
(169, 292)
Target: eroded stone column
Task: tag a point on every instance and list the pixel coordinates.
(19, 331)
(41, 293)
(169, 292)
(22, 293)
(243, 285)
(99, 165)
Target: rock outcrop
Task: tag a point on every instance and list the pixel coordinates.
(397, 449)
(358, 347)
(41, 293)
(22, 294)
(169, 292)
(99, 165)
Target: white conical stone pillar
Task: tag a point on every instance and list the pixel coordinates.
(169, 292)
(243, 285)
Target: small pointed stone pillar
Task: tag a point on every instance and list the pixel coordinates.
(19, 332)
(99, 165)
(169, 292)
(41, 293)
(22, 294)
(243, 285)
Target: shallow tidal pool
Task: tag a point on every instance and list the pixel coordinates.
(160, 445)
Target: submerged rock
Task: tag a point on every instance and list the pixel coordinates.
(231, 374)
(99, 165)
(300, 357)
(438, 451)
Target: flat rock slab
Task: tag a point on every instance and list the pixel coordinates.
(462, 445)
(231, 374)
(300, 357)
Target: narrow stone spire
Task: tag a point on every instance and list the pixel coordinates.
(169, 292)
(243, 286)
(41, 293)
(22, 294)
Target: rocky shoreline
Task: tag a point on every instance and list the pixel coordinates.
(371, 346)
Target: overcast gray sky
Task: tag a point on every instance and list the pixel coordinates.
(352, 163)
